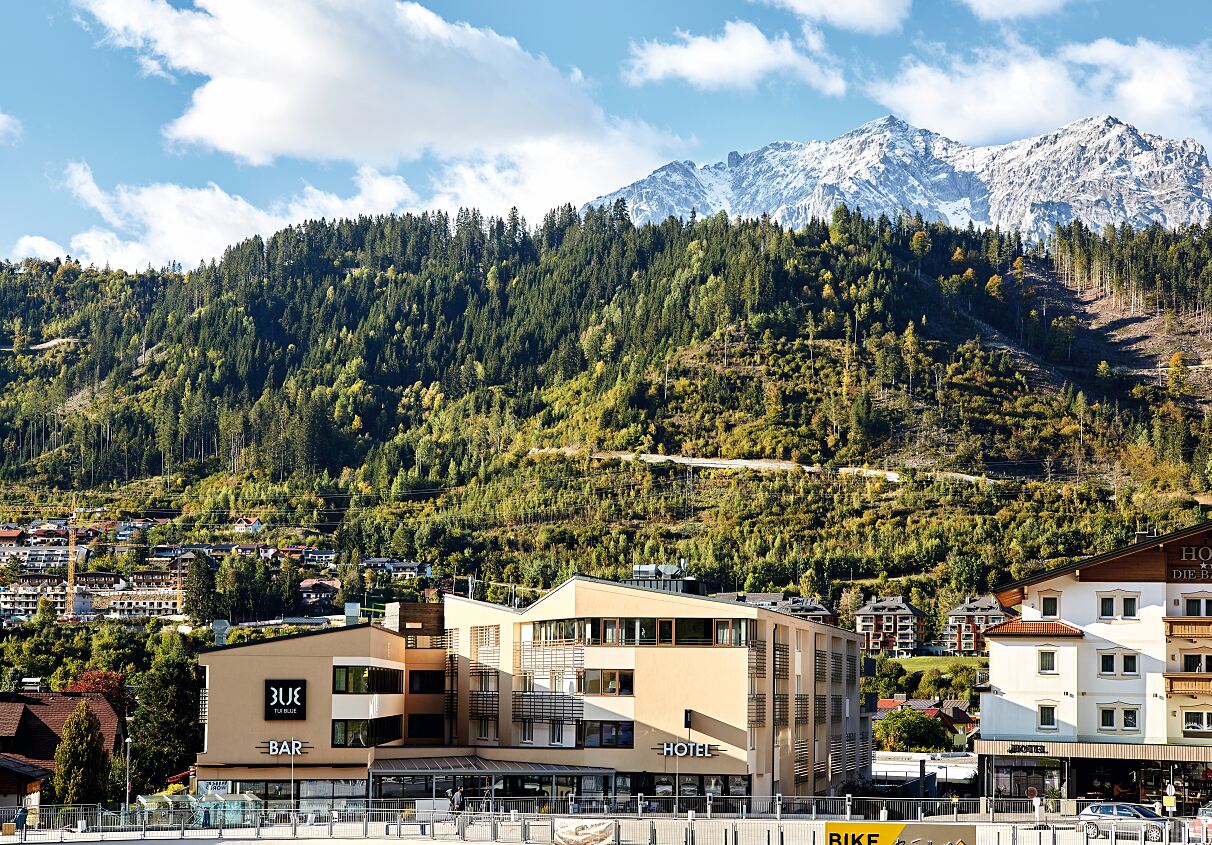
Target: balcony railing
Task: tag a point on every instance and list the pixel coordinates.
(1188, 683)
(1190, 627)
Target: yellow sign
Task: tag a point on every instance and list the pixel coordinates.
(899, 833)
(1170, 801)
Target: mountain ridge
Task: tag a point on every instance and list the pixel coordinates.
(1099, 170)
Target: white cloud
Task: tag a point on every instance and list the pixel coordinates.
(377, 82)
(873, 17)
(999, 10)
(159, 223)
(1012, 91)
(740, 57)
(10, 128)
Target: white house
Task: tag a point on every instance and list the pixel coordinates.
(1103, 685)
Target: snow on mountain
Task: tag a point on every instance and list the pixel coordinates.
(1099, 170)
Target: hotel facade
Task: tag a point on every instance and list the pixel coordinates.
(598, 690)
(1102, 687)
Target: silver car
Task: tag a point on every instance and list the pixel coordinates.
(1132, 821)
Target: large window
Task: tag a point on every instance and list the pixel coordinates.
(426, 681)
(426, 726)
(1197, 662)
(630, 631)
(596, 734)
(362, 680)
(364, 733)
(1198, 607)
(607, 682)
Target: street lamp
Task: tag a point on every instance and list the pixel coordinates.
(126, 806)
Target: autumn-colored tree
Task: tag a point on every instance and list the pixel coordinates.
(993, 288)
(112, 685)
(1176, 379)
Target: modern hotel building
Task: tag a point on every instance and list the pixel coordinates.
(598, 689)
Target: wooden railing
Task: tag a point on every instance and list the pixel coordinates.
(1188, 683)
(1191, 627)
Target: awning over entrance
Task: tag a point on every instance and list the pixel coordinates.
(476, 766)
(1007, 749)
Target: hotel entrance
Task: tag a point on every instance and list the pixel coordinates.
(536, 787)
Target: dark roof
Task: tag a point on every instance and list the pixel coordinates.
(17, 766)
(889, 604)
(41, 719)
(10, 717)
(983, 604)
(1019, 628)
(1140, 545)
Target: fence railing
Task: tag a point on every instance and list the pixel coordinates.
(420, 820)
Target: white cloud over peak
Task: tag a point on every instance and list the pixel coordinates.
(739, 58)
(999, 94)
(873, 17)
(162, 222)
(10, 128)
(1000, 10)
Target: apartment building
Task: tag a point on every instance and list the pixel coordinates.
(598, 689)
(966, 624)
(891, 624)
(1103, 685)
(22, 600)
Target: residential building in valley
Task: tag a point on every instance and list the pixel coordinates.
(1102, 687)
(891, 624)
(966, 624)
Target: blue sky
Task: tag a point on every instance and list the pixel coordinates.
(145, 131)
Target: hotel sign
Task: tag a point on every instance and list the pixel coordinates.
(687, 749)
(1026, 748)
(1191, 565)
(285, 700)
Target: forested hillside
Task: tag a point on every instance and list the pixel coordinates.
(388, 379)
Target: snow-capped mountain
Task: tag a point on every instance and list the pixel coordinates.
(1099, 170)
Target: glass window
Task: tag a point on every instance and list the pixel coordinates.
(1047, 661)
(593, 682)
(723, 632)
(1129, 606)
(593, 734)
(664, 632)
(527, 730)
(610, 682)
(1129, 664)
(1106, 664)
(557, 733)
(688, 785)
(1193, 720)
(1106, 607)
(1128, 719)
(1047, 716)
(622, 784)
(426, 681)
(1193, 662)
(1050, 606)
(626, 734)
(1195, 607)
(626, 683)
(647, 631)
(713, 785)
(483, 731)
(610, 632)
(662, 785)
(694, 632)
(426, 726)
(1106, 718)
(738, 784)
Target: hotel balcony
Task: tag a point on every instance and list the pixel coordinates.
(1188, 627)
(1188, 683)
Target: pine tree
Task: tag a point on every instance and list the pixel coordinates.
(81, 762)
(200, 604)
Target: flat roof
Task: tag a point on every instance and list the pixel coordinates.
(336, 629)
(477, 765)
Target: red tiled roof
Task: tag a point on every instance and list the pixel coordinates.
(41, 722)
(1019, 628)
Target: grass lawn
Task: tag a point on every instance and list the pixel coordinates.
(921, 664)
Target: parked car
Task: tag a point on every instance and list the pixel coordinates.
(1133, 821)
(1201, 825)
